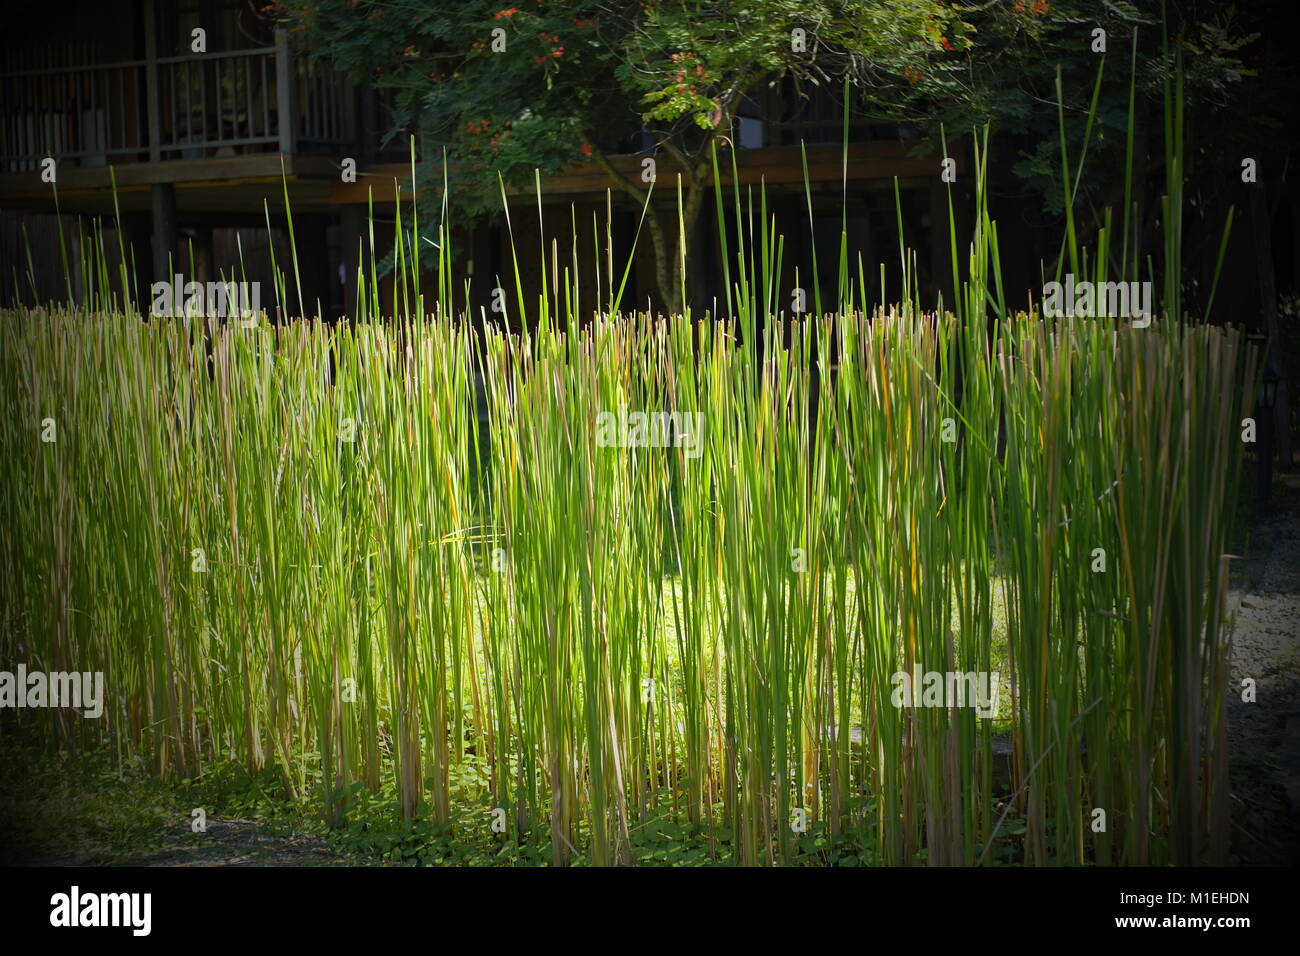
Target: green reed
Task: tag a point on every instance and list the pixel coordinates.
(297, 546)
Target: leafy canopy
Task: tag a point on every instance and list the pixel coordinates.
(545, 85)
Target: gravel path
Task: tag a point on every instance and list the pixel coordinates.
(248, 843)
(1265, 735)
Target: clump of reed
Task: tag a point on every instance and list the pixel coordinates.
(609, 628)
(298, 546)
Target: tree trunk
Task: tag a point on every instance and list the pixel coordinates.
(665, 264)
(668, 258)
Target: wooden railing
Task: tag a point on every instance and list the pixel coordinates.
(92, 114)
(177, 107)
(199, 105)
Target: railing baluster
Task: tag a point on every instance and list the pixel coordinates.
(234, 99)
(326, 108)
(33, 111)
(221, 113)
(203, 102)
(132, 96)
(336, 98)
(92, 137)
(76, 123)
(68, 138)
(29, 112)
(29, 146)
(305, 104)
(317, 110)
(265, 89)
(121, 107)
(226, 73)
(45, 114)
(232, 96)
(153, 121)
(21, 145)
(228, 101)
(322, 97)
(248, 96)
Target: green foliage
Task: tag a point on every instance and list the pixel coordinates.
(350, 647)
(577, 80)
(1007, 79)
(76, 808)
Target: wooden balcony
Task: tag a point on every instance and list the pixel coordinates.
(201, 106)
(212, 134)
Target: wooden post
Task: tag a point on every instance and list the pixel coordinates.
(151, 80)
(164, 229)
(286, 99)
(352, 226)
(314, 266)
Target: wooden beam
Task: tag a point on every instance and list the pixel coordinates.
(774, 165)
(176, 171)
(228, 178)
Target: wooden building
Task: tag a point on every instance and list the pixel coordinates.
(193, 153)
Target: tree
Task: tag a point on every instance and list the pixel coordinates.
(545, 85)
(1240, 91)
(1009, 81)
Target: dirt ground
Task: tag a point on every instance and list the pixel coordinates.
(225, 843)
(1265, 735)
(249, 843)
